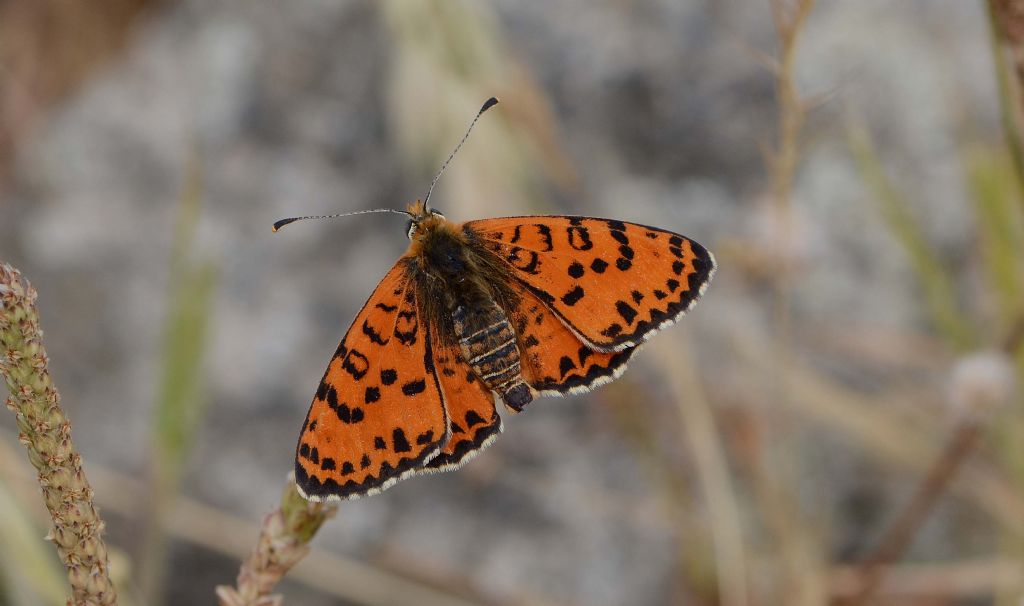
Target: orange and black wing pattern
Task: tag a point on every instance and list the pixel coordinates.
(378, 414)
(470, 406)
(554, 360)
(613, 283)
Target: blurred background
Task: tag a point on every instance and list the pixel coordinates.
(836, 422)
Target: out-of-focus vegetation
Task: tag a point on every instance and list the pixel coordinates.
(800, 439)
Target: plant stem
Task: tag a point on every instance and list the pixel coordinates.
(46, 434)
(1006, 23)
(898, 536)
(283, 541)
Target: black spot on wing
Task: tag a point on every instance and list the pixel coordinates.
(356, 364)
(372, 395)
(623, 264)
(364, 462)
(576, 270)
(346, 468)
(565, 365)
(472, 418)
(398, 439)
(414, 387)
(327, 464)
(406, 327)
(386, 307)
(545, 234)
(573, 296)
(598, 265)
(612, 331)
(349, 415)
(579, 238)
(637, 296)
(672, 284)
(388, 376)
(369, 331)
(628, 313)
(425, 438)
(379, 443)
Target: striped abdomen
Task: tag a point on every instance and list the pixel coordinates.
(489, 346)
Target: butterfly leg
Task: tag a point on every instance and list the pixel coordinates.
(488, 344)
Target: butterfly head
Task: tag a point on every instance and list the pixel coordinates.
(422, 220)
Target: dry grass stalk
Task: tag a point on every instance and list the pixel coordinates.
(698, 423)
(774, 471)
(46, 434)
(283, 541)
(1006, 19)
(980, 383)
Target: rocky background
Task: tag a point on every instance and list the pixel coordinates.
(754, 454)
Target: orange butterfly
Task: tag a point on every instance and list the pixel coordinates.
(518, 306)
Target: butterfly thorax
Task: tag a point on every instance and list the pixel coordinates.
(458, 293)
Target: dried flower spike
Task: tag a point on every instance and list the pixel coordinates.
(283, 541)
(46, 433)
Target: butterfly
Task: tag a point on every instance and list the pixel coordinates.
(517, 307)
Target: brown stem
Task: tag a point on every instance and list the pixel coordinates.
(1006, 22)
(898, 536)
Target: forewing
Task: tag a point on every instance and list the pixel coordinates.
(470, 405)
(554, 360)
(378, 414)
(612, 283)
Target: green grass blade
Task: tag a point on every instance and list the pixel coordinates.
(934, 278)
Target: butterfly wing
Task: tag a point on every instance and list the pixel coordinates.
(378, 414)
(612, 283)
(554, 360)
(470, 406)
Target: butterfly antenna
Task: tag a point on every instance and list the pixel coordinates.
(488, 104)
(279, 224)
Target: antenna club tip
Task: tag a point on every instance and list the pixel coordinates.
(279, 224)
(488, 104)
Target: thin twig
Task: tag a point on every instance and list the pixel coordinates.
(1006, 24)
(773, 472)
(898, 536)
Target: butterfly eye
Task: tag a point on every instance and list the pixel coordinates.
(410, 229)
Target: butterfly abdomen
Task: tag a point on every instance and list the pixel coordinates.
(488, 344)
